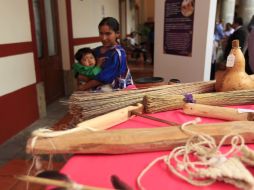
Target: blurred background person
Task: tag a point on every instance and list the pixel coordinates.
(249, 55)
(240, 34)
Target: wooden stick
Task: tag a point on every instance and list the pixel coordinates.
(134, 140)
(154, 118)
(113, 118)
(230, 114)
(57, 183)
(99, 123)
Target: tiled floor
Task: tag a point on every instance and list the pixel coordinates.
(14, 148)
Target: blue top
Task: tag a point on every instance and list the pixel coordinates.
(219, 32)
(114, 70)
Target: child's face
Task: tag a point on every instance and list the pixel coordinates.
(88, 60)
(108, 36)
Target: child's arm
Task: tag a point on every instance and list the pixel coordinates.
(82, 78)
(90, 84)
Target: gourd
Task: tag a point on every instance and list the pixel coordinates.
(234, 77)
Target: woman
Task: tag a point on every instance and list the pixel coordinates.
(114, 68)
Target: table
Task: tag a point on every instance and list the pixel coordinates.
(95, 170)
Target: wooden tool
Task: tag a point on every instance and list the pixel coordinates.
(134, 140)
(99, 123)
(57, 183)
(103, 122)
(153, 118)
(230, 114)
(112, 118)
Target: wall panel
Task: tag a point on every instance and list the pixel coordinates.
(16, 72)
(17, 110)
(87, 14)
(14, 21)
(187, 68)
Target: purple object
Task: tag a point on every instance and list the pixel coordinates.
(188, 98)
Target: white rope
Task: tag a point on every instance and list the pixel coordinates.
(48, 133)
(192, 122)
(36, 159)
(145, 170)
(76, 186)
(203, 147)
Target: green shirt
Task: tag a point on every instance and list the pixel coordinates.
(88, 71)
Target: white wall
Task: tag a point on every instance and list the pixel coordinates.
(14, 22)
(130, 17)
(91, 45)
(187, 69)
(87, 14)
(16, 71)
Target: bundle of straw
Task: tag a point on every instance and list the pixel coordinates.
(154, 104)
(87, 105)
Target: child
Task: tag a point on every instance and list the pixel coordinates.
(86, 68)
(115, 71)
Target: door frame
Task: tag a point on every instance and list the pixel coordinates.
(39, 64)
(123, 18)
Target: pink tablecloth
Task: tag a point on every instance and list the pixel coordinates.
(96, 170)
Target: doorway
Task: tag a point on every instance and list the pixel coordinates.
(46, 26)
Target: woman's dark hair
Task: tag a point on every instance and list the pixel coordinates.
(111, 22)
(228, 26)
(83, 51)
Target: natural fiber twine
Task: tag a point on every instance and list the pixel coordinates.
(200, 161)
(159, 103)
(87, 105)
(231, 171)
(247, 156)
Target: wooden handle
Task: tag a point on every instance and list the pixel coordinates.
(57, 183)
(230, 114)
(111, 119)
(99, 123)
(135, 139)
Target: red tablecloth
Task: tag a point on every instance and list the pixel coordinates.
(96, 170)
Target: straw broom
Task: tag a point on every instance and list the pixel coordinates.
(154, 104)
(85, 105)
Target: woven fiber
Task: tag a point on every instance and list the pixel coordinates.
(159, 103)
(87, 105)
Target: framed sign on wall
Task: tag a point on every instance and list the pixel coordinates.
(178, 27)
